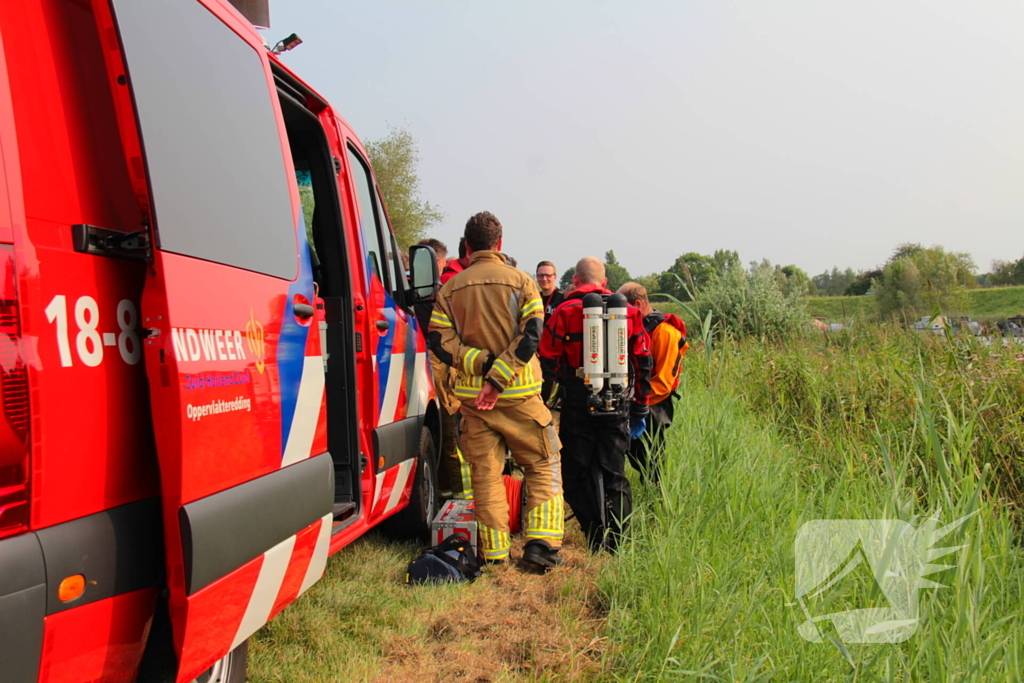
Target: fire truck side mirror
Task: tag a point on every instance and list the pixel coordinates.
(423, 273)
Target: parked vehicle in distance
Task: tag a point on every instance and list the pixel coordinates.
(964, 323)
(938, 324)
(927, 324)
(1010, 329)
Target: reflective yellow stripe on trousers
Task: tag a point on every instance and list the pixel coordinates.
(547, 521)
(494, 545)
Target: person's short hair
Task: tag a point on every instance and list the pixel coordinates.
(589, 271)
(546, 263)
(509, 260)
(462, 247)
(634, 292)
(439, 247)
(483, 231)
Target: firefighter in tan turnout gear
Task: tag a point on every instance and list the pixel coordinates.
(487, 325)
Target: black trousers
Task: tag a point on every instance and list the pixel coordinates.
(593, 474)
(645, 453)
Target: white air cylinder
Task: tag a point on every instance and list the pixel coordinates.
(593, 342)
(617, 343)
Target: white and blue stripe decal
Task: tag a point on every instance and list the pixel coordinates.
(291, 346)
(385, 348)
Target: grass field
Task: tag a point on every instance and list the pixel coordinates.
(362, 623)
(841, 308)
(987, 305)
(996, 303)
(876, 423)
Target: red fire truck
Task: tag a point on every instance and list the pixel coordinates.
(211, 377)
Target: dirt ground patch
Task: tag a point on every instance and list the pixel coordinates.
(514, 625)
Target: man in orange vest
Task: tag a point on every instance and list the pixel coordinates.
(668, 346)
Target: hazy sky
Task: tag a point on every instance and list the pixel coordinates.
(815, 133)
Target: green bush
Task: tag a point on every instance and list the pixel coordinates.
(916, 281)
(751, 302)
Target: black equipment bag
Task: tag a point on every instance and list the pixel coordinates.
(452, 560)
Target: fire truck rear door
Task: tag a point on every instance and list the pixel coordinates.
(234, 365)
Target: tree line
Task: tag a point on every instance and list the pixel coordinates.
(930, 265)
(761, 298)
(850, 283)
(768, 299)
(922, 271)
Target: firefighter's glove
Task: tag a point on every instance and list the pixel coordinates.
(637, 426)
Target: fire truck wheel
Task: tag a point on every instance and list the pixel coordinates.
(230, 669)
(414, 521)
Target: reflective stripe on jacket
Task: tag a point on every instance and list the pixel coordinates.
(487, 324)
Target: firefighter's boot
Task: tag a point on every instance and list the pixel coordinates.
(541, 554)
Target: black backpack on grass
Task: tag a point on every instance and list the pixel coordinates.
(452, 560)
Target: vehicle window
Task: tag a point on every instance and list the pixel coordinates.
(368, 216)
(304, 179)
(210, 134)
(394, 256)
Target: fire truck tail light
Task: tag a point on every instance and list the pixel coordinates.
(14, 427)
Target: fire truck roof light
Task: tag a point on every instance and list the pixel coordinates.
(289, 43)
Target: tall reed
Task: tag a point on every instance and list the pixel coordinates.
(876, 424)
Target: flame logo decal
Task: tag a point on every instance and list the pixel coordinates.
(254, 337)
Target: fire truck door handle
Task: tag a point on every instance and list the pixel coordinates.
(383, 325)
(303, 310)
